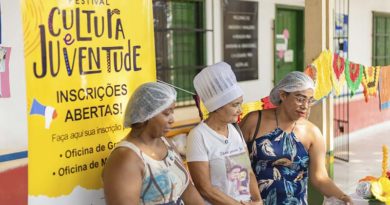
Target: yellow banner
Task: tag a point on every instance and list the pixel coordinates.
(83, 59)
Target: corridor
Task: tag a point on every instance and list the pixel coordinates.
(365, 156)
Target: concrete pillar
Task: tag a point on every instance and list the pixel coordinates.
(318, 37)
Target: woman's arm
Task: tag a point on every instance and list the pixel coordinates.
(254, 189)
(191, 196)
(122, 178)
(317, 170)
(248, 125)
(201, 176)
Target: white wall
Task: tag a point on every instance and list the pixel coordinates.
(13, 118)
(255, 89)
(360, 33)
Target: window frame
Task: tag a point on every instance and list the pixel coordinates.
(165, 46)
(376, 35)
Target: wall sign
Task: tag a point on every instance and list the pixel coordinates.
(240, 38)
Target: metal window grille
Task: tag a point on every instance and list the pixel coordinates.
(180, 37)
(381, 39)
(341, 102)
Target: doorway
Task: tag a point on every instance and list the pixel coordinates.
(288, 41)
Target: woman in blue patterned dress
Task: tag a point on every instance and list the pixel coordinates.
(287, 149)
(145, 167)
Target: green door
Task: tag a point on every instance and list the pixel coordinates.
(288, 41)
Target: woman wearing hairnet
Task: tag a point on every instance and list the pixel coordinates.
(145, 168)
(286, 148)
(216, 152)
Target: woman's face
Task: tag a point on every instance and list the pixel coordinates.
(162, 122)
(234, 174)
(297, 104)
(243, 175)
(230, 111)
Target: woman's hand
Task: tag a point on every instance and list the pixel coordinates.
(252, 203)
(346, 199)
(256, 202)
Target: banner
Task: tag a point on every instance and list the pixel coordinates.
(83, 59)
(384, 88)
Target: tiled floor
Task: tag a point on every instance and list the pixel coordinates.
(365, 156)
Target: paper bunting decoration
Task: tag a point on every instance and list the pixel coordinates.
(263, 104)
(323, 84)
(311, 71)
(353, 75)
(203, 111)
(384, 88)
(246, 108)
(250, 107)
(331, 71)
(338, 76)
(267, 104)
(370, 80)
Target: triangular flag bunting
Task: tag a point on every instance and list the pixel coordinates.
(370, 80)
(353, 75)
(338, 76)
(323, 83)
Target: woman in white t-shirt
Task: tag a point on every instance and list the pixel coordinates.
(216, 152)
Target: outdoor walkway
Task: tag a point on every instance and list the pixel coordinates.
(365, 156)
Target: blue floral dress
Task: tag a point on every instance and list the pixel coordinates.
(280, 162)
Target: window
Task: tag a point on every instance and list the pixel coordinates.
(180, 37)
(381, 39)
(340, 32)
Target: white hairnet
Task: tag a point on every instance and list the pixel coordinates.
(293, 82)
(147, 101)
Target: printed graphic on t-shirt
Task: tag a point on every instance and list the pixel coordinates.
(157, 185)
(237, 168)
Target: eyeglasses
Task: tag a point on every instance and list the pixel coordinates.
(301, 100)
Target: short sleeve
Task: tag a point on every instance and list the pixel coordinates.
(196, 149)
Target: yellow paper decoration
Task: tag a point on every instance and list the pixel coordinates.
(385, 160)
(246, 108)
(381, 189)
(250, 107)
(370, 80)
(323, 84)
